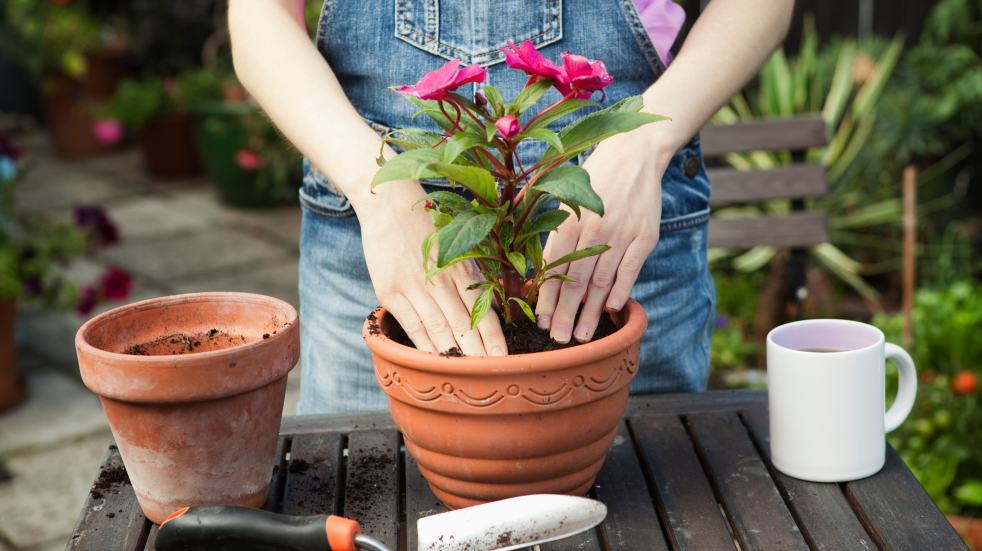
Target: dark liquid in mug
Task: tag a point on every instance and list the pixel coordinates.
(823, 350)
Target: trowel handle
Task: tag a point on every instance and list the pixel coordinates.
(221, 528)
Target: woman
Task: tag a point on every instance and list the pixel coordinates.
(360, 248)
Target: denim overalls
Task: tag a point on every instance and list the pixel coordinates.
(374, 44)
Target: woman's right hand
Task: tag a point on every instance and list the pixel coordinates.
(434, 314)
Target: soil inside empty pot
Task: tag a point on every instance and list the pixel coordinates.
(189, 343)
(522, 337)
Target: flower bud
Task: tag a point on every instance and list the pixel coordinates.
(508, 126)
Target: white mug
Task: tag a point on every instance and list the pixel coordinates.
(826, 383)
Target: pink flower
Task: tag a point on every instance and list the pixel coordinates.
(86, 300)
(248, 159)
(526, 58)
(116, 283)
(583, 76)
(436, 84)
(508, 126)
(107, 131)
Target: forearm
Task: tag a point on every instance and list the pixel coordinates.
(725, 48)
(276, 61)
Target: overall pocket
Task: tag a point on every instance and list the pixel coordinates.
(475, 31)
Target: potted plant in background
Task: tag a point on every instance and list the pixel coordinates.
(250, 164)
(541, 419)
(78, 60)
(34, 254)
(158, 110)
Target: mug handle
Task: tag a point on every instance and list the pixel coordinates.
(906, 388)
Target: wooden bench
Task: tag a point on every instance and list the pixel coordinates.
(797, 230)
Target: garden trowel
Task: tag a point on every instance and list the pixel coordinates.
(500, 525)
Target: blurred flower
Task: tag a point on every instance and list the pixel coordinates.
(94, 219)
(248, 159)
(721, 322)
(107, 131)
(170, 85)
(86, 300)
(32, 286)
(116, 283)
(508, 126)
(438, 83)
(8, 149)
(8, 169)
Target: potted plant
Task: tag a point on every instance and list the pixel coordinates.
(487, 428)
(250, 164)
(78, 60)
(33, 254)
(193, 388)
(158, 110)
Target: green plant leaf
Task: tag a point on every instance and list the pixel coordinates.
(458, 237)
(490, 130)
(410, 165)
(547, 136)
(571, 185)
(528, 97)
(427, 248)
(460, 142)
(440, 219)
(476, 179)
(448, 200)
(481, 306)
(525, 308)
(433, 270)
(517, 260)
(507, 233)
(495, 100)
(413, 138)
(577, 255)
(545, 222)
(563, 109)
(596, 127)
(533, 250)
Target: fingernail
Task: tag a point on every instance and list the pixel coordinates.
(562, 337)
(614, 306)
(583, 336)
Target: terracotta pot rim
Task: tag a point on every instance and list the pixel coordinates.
(635, 322)
(172, 361)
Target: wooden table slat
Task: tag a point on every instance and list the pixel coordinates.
(757, 512)
(274, 500)
(584, 541)
(111, 518)
(420, 501)
(897, 511)
(312, 474)
(632, 522)
(371, 493)
(685, 498)
(821, 511)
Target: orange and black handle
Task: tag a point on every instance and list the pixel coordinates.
(228, 528)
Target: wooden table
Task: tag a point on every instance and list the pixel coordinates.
(687, 471)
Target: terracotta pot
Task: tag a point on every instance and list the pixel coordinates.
(195, 423)
(485, 428)
(68, 103)
(970, 529)
(168, 146)
(12, 385)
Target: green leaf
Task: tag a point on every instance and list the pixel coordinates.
(413, 138)
(459, 236)
(560, 277)
(490, 130)
(448, 200)
(517, 260)
(547, 136)
(432, 271)
(431, 109)
(545, 222)
(563, 109)
(529, 96)
(571, 185)
(507, 233)
(440, 219)
(410, 165)
(495, 100)
(481, 306)
(427, 248)
(970, 493)
(460, 142)
(596, 127)
(525, 307)
(533, 250)
(476, 179)
(577, 255)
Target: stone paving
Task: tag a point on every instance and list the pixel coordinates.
(176, 237)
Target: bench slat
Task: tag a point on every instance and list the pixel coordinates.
(898, 512)
(111, 518)
(371, 492)
(797, 229)
(274, 500)
(821, 510)
(420, 501)
(311, 475)
(794, 133)
(747, 186)
(757, 512)
(689, 508)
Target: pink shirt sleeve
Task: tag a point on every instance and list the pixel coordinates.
(663, 20)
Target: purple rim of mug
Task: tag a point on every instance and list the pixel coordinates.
(841, 335)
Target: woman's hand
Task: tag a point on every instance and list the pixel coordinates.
(435, 314)
(627, 174)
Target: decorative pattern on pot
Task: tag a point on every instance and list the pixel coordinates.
(485, 428)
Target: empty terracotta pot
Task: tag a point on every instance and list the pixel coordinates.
(489, 428)
(193, 387)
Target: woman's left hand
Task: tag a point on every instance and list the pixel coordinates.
(626, 172)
